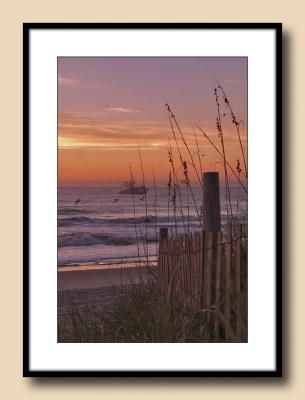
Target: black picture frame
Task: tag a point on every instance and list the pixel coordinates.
(27, 28)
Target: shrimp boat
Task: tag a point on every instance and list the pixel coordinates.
(130, 187)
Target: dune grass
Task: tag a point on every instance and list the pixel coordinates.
(137, 315)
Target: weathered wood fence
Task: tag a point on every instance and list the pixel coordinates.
(207, 271)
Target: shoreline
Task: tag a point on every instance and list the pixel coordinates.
(106, 265)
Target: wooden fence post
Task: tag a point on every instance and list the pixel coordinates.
(163, 233)
(211, 202)
(228, 281)
(211, 227)
(164, 270)
(237, 278)
(162, 263)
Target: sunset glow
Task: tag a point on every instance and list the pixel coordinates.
(108, 108)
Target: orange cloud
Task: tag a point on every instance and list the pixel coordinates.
(122, 109)
(93, 147)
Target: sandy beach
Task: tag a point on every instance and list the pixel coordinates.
(95, 276)
(94, 288)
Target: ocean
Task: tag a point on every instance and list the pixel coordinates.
(105, 227)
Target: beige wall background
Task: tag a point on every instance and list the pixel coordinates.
(15, 12)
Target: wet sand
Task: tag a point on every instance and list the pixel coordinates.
(99, 277)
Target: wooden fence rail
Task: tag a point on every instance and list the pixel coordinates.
(206, 271)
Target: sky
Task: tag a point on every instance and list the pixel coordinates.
(110, 107)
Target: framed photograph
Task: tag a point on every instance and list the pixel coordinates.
(152, 200)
